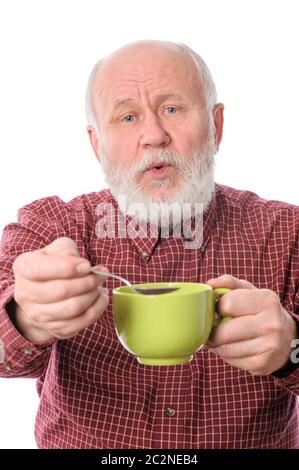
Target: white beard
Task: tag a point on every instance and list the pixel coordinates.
(195, 190)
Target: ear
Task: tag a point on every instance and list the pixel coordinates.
(218, 122)
(94, 140)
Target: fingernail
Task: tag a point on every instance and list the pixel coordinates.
(105, 291)
(213, 350)
(102, 268)
(83, 267)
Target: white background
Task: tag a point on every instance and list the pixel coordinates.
(47, 51)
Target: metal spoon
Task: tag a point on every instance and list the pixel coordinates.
(138, 290)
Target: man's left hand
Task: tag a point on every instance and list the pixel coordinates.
(259, 336)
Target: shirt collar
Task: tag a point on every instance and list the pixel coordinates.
(144, 238)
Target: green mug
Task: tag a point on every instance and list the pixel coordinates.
(166, 329)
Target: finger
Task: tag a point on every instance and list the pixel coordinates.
(99, 270)
(241, 302)
(61, 246)
(39, 266)
(237, 329)
(256, 365)
(230, 282)
(66, 309)
(69, 328)
(60, 289)
(241, 349)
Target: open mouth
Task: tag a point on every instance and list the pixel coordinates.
(159, 168)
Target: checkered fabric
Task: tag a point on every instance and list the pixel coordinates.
(94, 394)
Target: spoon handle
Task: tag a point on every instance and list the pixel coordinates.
(105, 273)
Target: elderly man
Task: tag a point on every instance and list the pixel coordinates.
(155, 127)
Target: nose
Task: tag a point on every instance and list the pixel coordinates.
(153, 133)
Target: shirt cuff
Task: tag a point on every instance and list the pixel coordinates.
(290, 382)
(17, 354)
(288, 376)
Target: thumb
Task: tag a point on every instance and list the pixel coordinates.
(63, 246)
(230, 282)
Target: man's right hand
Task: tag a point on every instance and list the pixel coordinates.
(56, 295)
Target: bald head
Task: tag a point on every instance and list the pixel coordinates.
(151, 54)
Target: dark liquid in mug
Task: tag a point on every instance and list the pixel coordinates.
(157, 290)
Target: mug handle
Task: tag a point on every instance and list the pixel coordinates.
(218, 292)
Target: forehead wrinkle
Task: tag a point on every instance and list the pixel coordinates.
(112, 79)
(160, 97)
(137, 75)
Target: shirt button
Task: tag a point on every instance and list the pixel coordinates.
(26, 351)
(144, 254)
(8, 367)
(170, 411)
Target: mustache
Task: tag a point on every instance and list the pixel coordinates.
(162, 156)
(197, 161)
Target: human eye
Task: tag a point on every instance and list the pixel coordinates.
(128, 118)
(171, 110)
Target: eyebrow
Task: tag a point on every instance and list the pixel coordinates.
(166, 96)
(119, 102)
(162, 97)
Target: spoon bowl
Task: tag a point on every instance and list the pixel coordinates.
(139, 290)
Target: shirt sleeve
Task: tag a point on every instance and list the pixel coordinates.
(19, 357)
(39, 224)
(288, 376)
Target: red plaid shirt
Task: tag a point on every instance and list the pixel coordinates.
(94, 394)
